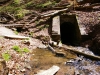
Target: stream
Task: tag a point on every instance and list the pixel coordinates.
(71, 64)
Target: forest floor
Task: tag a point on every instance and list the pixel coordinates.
(17, 56)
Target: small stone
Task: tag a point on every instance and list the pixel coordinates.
(28, 67)
(26, 42)
(10, 74)
(70, 61)
(54, 43)
(23, 70)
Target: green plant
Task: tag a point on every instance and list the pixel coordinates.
(31, 34)
(16, 48)
(16, 32)
(46, 26)
(30, 5)
(16, 2)
(19, 13)
(6, 56)
(46, 4)
(27, 39)
(26, 50)
(7, 9)
(41, 27)
(36, 22)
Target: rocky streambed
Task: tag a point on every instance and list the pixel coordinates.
(71, 64)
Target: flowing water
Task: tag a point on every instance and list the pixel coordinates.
(43, 59)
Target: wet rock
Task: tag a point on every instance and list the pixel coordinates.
(76, 72)
(42, 46)
(60, 54)
(85, 50)
(85, 67)
(70, 61)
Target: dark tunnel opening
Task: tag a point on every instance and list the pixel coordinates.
(68, 34)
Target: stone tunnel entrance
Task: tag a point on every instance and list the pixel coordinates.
(66, 30)
(68, 36)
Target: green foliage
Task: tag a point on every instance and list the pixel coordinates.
(26, 50)
(37, 22)
(30, 5)
(18, 8)
(16, 32)
(31, 34)
(47, 4)
(27, 39)
(20, 13)
(41, 27)
(6, 56)
(16, 2)
(7, 9)
(40, 4)
(46, 26)
(16, 48)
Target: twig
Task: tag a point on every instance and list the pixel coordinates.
(10, 16)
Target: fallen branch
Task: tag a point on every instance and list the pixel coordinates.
(73, 49)
(5, 32)
(9, 15)
(13, 25)
(60, 54)
(51, 14)
(54, 13)
(16, 37)
(51, 48)
(33, 20)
